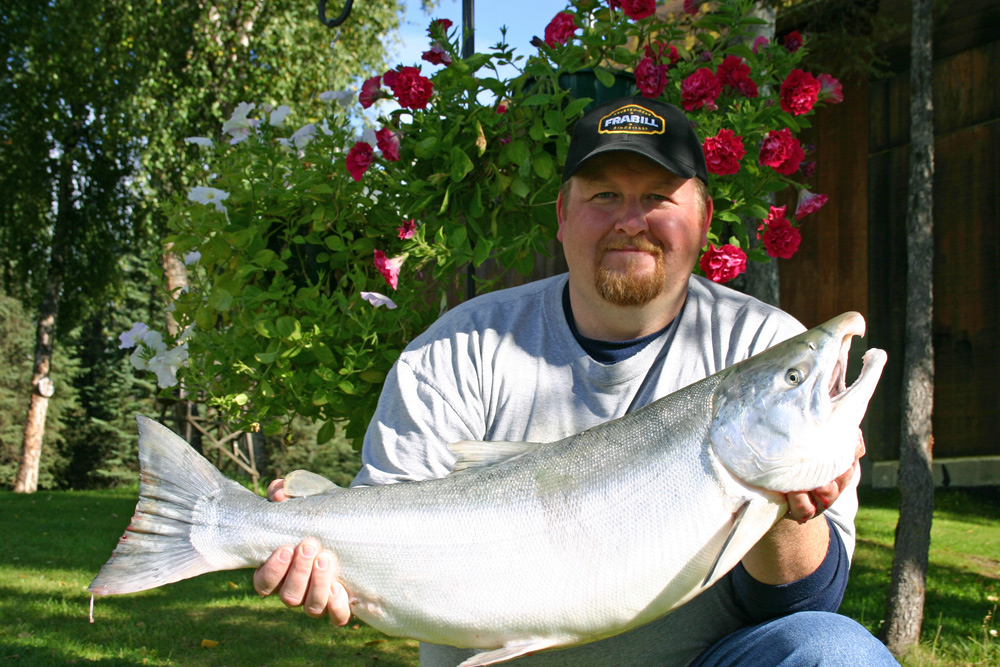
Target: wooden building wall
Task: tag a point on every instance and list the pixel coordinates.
(854, 253)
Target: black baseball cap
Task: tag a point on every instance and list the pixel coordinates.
(654, 129)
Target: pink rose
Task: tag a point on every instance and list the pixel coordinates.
(830, 89)
(700, 90)
(371, 90)
(724, 263)
(793, 41)
(808, 203)
(358, 159)
(388, 143)
(781, 151)
(389, 268)
(759, 42)
(638, 9)
(407, 230)
(559, 29)
(436, 55)
(723, 152)
(799, 92)
(780, 238)
(412, 90)
(650, 79)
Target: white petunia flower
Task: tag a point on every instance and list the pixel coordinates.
(192, 258)
(344, 98)
(239, 126)
(166, 363)
(277, 117)
(132, 337)
(376, 299)
(206, 195)
(201, 141)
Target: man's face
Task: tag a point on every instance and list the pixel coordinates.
(630, 229)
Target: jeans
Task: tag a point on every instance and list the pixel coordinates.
(803, 639)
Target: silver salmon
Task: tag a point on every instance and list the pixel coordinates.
(528, 547)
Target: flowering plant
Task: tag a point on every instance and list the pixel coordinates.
(317, 254)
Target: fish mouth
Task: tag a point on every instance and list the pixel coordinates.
(872, 362)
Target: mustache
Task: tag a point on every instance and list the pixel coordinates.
(637, 243)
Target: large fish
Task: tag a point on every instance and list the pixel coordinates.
(529, 547)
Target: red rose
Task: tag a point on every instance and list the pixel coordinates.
(559, 29)
(759, 42)
(793, 41)
(358, 159)
(659, 51)
(388, 143)
(799, 92)
(830, 89)
(733, 73)
(638, 9)
(436, 55)
(780, 238)
(412, 90)
(650, 79)
(723, 152)
(700, 90)
(781, 151)
(371, 90)
(691, 7)
(442, 25)
(724, 263)
(808, 203)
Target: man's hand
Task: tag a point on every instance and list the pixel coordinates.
(303, 575)
(796, 546)
(806, 505)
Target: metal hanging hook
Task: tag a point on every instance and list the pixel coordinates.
(333, 23)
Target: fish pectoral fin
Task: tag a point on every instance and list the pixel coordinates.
(302, 483)
(508, 652)
(472, 454)
(737, 519)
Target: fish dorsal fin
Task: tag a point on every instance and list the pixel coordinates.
(737, 519)
(302, 483)
(473, 454)
(508, 652)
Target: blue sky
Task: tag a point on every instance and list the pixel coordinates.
(523, 18)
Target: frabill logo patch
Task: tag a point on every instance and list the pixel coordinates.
(631, 119)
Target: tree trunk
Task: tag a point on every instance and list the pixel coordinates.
(41, 383)
(761, 280)
(905, 606)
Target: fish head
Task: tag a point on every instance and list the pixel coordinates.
(786, 420)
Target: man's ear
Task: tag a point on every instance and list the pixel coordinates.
(559, 214)
(707, 223)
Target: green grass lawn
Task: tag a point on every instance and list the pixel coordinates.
(52, 544)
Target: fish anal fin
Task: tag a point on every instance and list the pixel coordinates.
(472, 454)
(302, 483)
(508, 652)
(721, 557)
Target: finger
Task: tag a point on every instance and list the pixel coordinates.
(801, 506)
(269, 575)
(339, 605)
(320, 585)
(293, 589)
(276, 491)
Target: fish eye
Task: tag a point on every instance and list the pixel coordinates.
(794, 376)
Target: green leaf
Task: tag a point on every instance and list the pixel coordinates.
(606, 78)
(460, 164)
(326, 432)
(428, 147)
(289, 327)
(220, 299)
(538, 99)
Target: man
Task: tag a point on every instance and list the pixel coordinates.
(626, 325)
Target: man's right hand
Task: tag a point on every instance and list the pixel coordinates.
(303, 575)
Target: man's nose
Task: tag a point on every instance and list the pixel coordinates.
(632, 217)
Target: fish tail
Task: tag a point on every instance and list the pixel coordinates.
(156, 548)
